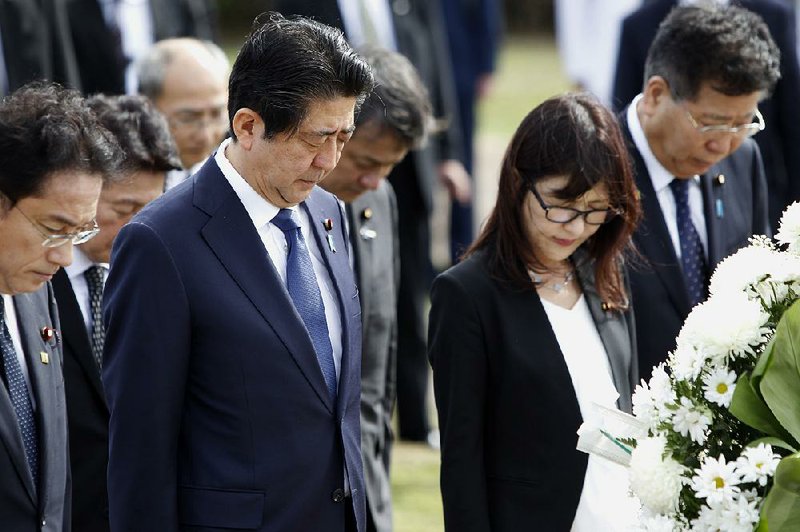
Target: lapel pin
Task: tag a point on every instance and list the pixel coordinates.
(44, 357)
(48, 334)
(366, 214)
(331, 244)
(720, 208)
(367, 234)
(719, 180)
(327, 223)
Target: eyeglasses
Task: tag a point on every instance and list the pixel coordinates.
(564, 215)
(56, 240)
(717, 131)
(197, 120)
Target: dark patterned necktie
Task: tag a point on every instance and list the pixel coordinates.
(301, 282)
(20, 397)
(692, 257)
(94, 280)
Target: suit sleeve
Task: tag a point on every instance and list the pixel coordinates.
(459, 360)
(146, 361)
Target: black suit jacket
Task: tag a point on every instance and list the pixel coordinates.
(779, 141)
(377, 265)
(734, 211)
(87, 414)
(508, 412)
(37, 43)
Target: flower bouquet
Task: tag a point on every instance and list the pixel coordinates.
(722, 415)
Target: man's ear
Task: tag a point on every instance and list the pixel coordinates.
(247, 127)
(656, 90)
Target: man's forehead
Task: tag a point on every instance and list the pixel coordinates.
(329, 116)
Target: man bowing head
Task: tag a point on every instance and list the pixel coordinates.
(232, 352)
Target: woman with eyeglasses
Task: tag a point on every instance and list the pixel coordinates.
(534, 327)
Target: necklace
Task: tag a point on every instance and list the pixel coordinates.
(555, 286)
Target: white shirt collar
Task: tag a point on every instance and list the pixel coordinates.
(660, 176)
(80, 263)
(260, 210)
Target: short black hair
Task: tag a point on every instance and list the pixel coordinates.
(45, 128)
(285, 64)
(729, 48)
(141, 131)
(399, 100)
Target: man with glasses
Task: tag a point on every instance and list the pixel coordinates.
(55, 155)
(149, 153)
(187, 80)
(699, 174)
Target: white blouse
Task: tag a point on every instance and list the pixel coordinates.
(606, 503)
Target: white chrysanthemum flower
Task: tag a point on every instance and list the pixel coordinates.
(741, 514)
(718, 386)
(643, 406)
(651, 400)
(726, 325)
(708, 520)
(654, 479)
(658, 523)
(716, 481)
(789, 227)
(757, 464)
(746, 267)
(686, 363)
(691, 420)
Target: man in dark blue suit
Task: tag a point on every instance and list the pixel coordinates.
(232, 353)
(778, 142)
(699, 174)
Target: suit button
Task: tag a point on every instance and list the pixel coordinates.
(337, 495)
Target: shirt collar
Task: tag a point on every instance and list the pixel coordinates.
(260, 210)
(80, 263)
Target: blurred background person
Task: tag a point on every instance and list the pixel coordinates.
(35, 44)
(587, 34)
(534, 327)
(148, 153)
(779, 141)
(415, 29)
(187, 80)
(394, 119)
(699, 174)
(55, 156)
(111, 35)
(473, 35)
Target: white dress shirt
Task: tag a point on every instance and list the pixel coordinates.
(380, 17)
(661, 178)
(16, 339)
(605, 503)
(262, 212)
(75, 272)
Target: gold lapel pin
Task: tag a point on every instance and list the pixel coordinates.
(367, 213)
(719, 179)
(44, 357)
(48, 334)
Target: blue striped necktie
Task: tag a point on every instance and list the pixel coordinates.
(301, 282)
(20, 397)
(693, 259)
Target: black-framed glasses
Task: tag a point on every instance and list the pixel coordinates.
(59, 239)
(741, 131)
(564, 215)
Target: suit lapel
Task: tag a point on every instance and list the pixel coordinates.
(714, 210)
(612, 332)
(338, 265)
(74, 330)
(234, 240)
(652, 237)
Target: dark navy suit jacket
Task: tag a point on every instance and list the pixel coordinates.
(734, 211)
(220, 417)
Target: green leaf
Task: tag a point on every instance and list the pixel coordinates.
(781, 511)
(780, 382)
(762, 364)
(748, 406)
(775, 442)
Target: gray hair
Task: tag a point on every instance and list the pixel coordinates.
(151, 69)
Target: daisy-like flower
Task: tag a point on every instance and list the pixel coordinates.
(757, 464)
(716, 481)
(748, 266)
(725, 326)
(789, 228)
(741, 513)
(643, 406)
(718, 386)
(655, 480)
(691, 420)
(658, 523)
